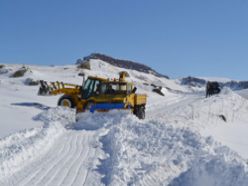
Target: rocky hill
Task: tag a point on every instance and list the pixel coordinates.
(198, 82)
(127, 64)
(193, 81)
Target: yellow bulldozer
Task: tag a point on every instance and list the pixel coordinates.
(98, 94)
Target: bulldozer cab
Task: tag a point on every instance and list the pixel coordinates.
(90, 87)
(95, 86)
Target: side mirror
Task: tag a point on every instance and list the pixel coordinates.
(134, 90)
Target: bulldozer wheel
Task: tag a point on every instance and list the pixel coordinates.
(66, 101)
(139, 111)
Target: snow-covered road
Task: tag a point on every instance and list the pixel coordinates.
(70, 161)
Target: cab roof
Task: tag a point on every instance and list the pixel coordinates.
(97, 78)
(106, 80)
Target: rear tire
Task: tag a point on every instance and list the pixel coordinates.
(66, 101)
(139, 111)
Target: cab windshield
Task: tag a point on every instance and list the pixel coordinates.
(90, 87)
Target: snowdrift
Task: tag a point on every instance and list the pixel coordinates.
(213, 171)
(155, 153)
(19, 149)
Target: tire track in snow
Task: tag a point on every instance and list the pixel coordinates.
(50, 159)
(79, 164)
(72, 161)
(62, 164)
(26, 175)
(68, 162)
(49, 168)
(73, 170)
(92, 153)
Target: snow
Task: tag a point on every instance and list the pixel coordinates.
(218, 79)
(20, 148)
(186, 139)
(243, 93)
(153, 153)
(215, 171)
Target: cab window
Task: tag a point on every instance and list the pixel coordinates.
(113, 88)
(90, 87)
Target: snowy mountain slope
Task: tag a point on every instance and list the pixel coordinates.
(125, 64)
(44, 145)
(100, 68)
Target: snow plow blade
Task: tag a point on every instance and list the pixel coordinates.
(44, 89)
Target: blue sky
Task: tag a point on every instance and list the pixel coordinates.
(175, 37)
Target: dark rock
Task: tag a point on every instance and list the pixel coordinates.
(84, 65)
(158, 91)
(20, 73)
(3, 70)
(155, 86)
(31, 82)
(223, 117)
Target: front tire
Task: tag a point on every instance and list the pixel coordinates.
(66, 101)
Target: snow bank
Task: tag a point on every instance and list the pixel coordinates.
(156, 153)
(19, 149)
